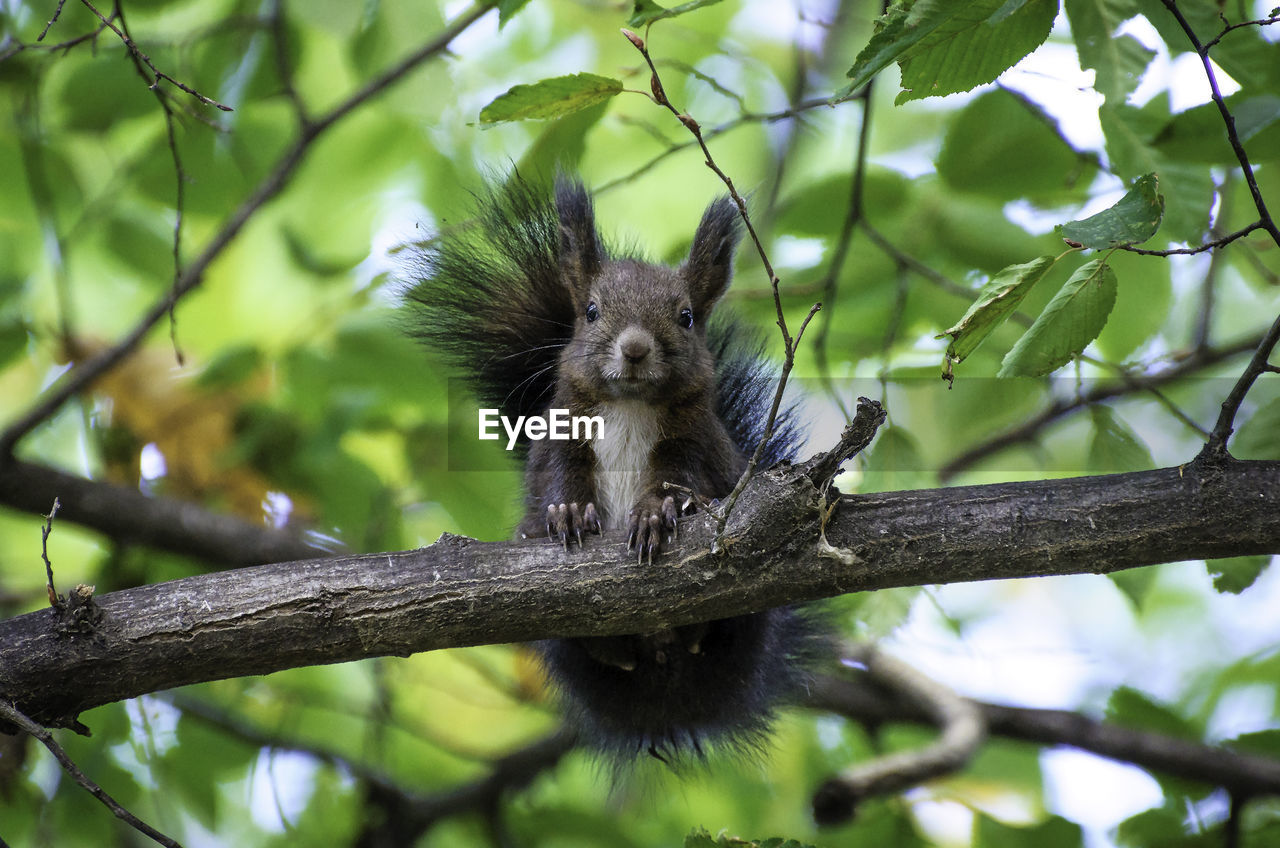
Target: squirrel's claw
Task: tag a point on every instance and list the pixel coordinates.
(646, 522)
(570, 521)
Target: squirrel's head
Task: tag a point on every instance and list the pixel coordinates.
(640, 330)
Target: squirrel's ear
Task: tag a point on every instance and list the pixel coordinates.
(710, 263)
(580, 249)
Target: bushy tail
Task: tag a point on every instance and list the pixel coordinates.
(487, 297)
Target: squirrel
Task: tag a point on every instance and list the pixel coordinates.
(531, 307)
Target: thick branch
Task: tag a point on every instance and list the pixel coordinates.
(126, 515)
(461, 592)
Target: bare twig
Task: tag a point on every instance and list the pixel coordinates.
(11, 715)
(1031, 428)
(44, 552)
(1260, 22)
(56, 14)
(146, 60)
(789, 344)
(1216, 446)
(830, 281)
(1191, 251)
(859, 698)
(81, 377)
(963, 731)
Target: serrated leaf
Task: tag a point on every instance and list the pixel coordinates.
(896, 33)
(973, 47)
(1072, 319)
(646, 11)
(996, 302)
(550, 98)
(1235, 574)
(1132, 220)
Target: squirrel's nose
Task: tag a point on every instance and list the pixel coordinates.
(635, 345)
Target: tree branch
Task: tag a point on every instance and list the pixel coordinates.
(858, 698)
(1030, 429)
(12, 716)
(461, 592)
(126, 515)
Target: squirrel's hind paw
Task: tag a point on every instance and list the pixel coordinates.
(565, 521)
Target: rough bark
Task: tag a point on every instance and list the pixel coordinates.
(462, 592)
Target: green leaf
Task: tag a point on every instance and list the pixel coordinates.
(1188, 188)
(949, 47)
(550, 98)
(1054, 832)
(1235, 574)
(1131, 708)
(700, 838)
(973, 46)
(1072, 319)
(1197, 135)
(1263, 742)
(1119, 62)
(507, 10)
(646, 11)
(13, 338)
(1027, 157)
(896, 34)
(1134, 583)
(1115, 447)
(996, 302)
(1259, 437)
(1132, 220)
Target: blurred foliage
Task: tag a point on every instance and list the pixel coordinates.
(297, 399)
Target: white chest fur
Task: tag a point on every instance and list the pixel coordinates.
(622, 457)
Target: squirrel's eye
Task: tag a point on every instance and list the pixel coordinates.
(686, 318)
(593, 312)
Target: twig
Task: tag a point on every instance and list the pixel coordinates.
(1029, 429)
(1216, 446)
(789, 344)
(146, 60)
(830, 281)
(963, 731)
(44, 552)
(279, 40)
(1191, 251)
(11, 714)
(858, 698)
(82, 376)
(794, 111)
(180, 179)
(1261, 22)
(56, 14)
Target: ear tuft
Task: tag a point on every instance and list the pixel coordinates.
(709, 267)
(580, 248)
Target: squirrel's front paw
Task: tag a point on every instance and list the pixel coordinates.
(565, 520)
(646, 523)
